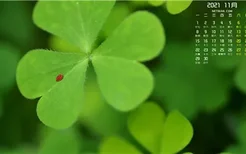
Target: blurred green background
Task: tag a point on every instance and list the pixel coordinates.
(211, 96)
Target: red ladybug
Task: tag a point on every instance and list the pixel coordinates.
(59, 77)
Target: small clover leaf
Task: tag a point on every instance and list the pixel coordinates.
(148, 126)
(158, 135)
(117, 145)
(123, 81)
(156, 2)
(177, 133)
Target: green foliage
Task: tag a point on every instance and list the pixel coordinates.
(9, 57)
(60, 45)
(187, 87)
(241, 146)
(173, 6)
(79, 22)
(177, 133)
(15, 22)
(119, 12)
(156, 2)
(117, 145)
(146, 125)
(176, 7)
(19, 150)
(98, 115)
(240, 76)
(57, 142)
(123, 81)
(157, 134)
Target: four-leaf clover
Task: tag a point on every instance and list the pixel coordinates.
(123, 81)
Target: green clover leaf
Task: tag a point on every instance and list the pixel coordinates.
(156, 2)
(123, 81)
(173, 6)
(176, 7)
(146, 125)
(159, 135)
(117, 145)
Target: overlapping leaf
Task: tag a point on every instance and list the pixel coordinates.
(117, 145)
(124, 82)
(177, 133)
(148, 126)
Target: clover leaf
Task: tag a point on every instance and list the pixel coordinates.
(146, 125)
(117, 145)
(58, 77)
(159, 135)
(172, 6)
(176, 7)
(156, 2)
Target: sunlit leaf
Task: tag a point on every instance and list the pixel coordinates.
(60, 45)
(117, 145)
(118, 13)
(177, 133)
(156, 2)
(60, 101)
(134, 40)
(97, 114)
(176, 7)
(79, 22)
(124, 83)
(146, 125)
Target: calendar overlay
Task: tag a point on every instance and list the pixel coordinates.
(219, 31)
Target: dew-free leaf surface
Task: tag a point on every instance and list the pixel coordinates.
(115, 75)
(177, 133)
(146, 125)
(79, 22)
(117, 145)
(176, 7)
(130, 40)
(156, 2)
(37, 73)
(118, 13)
(123, 81)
